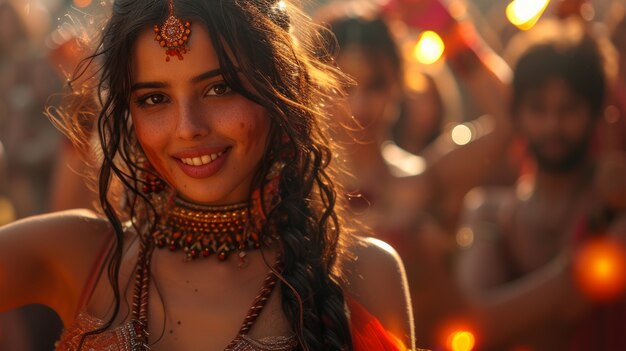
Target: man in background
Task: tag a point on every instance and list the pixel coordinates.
(517, 272)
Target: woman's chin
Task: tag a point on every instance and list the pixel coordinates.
(211, 199)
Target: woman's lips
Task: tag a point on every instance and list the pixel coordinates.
(202, 164)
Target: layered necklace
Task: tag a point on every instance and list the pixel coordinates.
(203, 231)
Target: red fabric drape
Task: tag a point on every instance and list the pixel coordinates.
(368, 334)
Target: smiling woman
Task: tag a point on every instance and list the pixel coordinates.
(212, 136)
(202, 137)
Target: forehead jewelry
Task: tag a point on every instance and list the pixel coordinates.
(173, 35)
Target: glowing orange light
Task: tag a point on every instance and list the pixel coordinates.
(462, 341)
(600, 269)
(465, 237)
(82, 3)
(7, 212)
(415, 79)
(456, 334)
(525, 13)
(429, 48)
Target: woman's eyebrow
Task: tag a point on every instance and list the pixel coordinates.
(160, 85)
(207, 75)
(148, 85)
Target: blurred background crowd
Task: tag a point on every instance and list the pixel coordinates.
(486, 143)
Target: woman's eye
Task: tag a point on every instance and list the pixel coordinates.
(153, 99)
(218, 89)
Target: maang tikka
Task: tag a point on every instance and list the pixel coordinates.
(173, 35)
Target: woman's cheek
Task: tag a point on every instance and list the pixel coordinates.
(255, 131)
(157, 163)
(148, 138)
(252, 134)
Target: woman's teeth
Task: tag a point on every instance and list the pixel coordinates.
(201, 160)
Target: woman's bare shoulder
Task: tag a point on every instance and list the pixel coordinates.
(376, 278)
(65, 229)
(75, 216)
(373, 261)
(50, 257)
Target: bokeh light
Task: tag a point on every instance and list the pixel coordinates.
(415, 79)
(462, 340)
(456, 334)
(525, 13)
(465, 237)
(461, 134)
(600, 269)
(429, 48)
(82, 3)
(405, 163)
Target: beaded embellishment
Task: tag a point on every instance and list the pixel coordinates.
(207, 230)
(152, 184)
(173, 35)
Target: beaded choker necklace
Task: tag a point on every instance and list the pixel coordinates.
(207, 230)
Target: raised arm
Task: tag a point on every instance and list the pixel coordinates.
(457, 169)
(453, 170)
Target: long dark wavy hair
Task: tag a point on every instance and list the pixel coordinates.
(281, 54)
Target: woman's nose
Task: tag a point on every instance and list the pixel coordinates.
(192, 124)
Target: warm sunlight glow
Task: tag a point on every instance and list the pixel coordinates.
(429, 48)
(525, 13)
(600, 269)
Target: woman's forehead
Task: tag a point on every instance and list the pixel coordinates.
(149, 58)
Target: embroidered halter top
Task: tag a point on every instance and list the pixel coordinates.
(123, 338)
(127, 337)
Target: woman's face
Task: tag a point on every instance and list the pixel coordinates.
(203, 138)
(377, 90)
